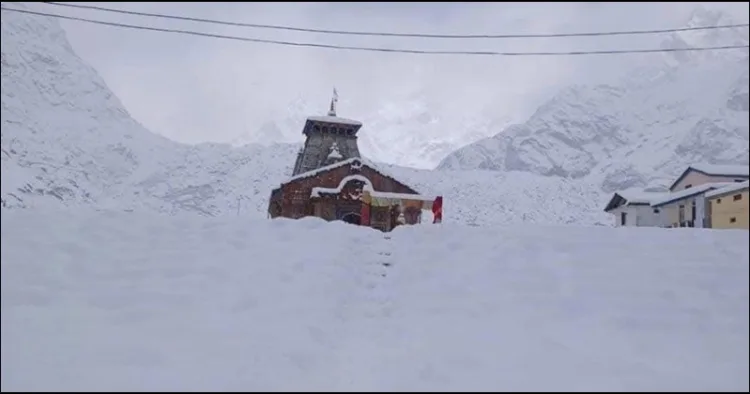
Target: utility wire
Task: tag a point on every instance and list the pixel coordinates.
(371, 49)
(384, 34)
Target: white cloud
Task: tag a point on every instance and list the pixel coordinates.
(196, 89)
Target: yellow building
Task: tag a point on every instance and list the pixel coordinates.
(729, 207)
(688, 207)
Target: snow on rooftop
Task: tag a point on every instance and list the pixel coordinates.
(695, 190)
(335, 119)
(641, 197)
(718, 169)
(316, 191)
(402, 196)
(349, 161)
(335, 190)
(324, 168)
(135, 302)
(633, 196)
(729, 189)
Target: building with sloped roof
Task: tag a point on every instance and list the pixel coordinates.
(331, 181)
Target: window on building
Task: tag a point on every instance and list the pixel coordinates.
(737, 197)
(656, 210)
(681, 214)
(740, 180)
(623, 218)
(732, 220)
(688, 186)
(718, 201)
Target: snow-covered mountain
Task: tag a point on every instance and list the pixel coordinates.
(418, 132)
(68, 141)
(66, 138)
(690, 107)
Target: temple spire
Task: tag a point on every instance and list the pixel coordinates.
(334, 100)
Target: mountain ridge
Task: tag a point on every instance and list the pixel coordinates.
(68, 142)
(639, 132)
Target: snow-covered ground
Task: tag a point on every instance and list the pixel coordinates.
(132, 301)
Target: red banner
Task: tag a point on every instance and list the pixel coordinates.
(437, 210)
(365, 214)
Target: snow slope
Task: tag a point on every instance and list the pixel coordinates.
(68, 141)
(66, 138)
(132, 301)
(641, 132)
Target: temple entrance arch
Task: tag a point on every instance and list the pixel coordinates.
(352, 218)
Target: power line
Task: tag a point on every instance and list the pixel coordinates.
(411, 35)
(371, 49)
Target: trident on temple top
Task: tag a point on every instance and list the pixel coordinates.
(334, 100)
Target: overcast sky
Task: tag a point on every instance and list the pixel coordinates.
(196, 89)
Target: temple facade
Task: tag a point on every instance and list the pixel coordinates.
(331, 181)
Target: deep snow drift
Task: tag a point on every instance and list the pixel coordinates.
(118, 301)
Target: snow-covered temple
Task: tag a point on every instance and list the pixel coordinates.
(331, 181)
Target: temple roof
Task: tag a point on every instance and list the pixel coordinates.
(334, 119)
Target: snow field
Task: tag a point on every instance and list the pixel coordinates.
(129, 301)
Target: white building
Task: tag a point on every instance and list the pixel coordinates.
(633, 209)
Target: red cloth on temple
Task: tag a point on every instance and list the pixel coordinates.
(437, 210)
(365, 214)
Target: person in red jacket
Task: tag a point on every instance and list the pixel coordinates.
(437, 210)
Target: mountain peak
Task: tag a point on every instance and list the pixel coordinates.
(701, 17)
(634, 134)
